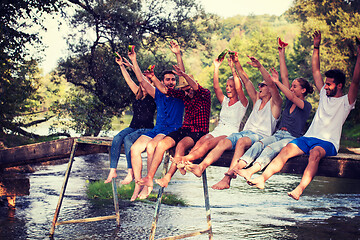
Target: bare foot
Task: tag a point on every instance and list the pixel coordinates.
(258, 182)
(231, 173)
(163, 182)
(112, 174)
(244, 173)
(147, 181)
(137, 189)
(176, 160)
(296, 193)
(195, 169)
(129, 177)
(223, 184)
(145, 192)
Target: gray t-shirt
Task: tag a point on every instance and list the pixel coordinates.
(295, 122)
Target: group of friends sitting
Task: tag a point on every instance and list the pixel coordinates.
(270, 136)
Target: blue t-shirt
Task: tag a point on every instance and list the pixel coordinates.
(295, 122)
(169, 110)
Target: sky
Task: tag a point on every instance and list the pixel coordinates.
(56, 45)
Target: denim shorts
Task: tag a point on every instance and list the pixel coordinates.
(234, 137)
(308, 143)
(160, 130)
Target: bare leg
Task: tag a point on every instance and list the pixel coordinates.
(137, 189)
(112, 174)
(247, 173)
(201, 141)
(241, 145)
(289, 151)
(213, 156)
(203, 149)
(181, 147)
(129, 177)
(316, 154)
(136, 149)
(162, 146)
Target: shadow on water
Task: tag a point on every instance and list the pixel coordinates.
(328, 209)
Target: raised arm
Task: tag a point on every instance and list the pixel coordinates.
(175, 48)
(290, 95)
(193, 84)
(283, 69)
(275, 95)
(315, 61)
(238, 86)
(249, 86)
(150, 89)
(218, 92)
(134, 88)
(150, 74)
(354, 85)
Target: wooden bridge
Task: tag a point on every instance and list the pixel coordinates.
(343, 165)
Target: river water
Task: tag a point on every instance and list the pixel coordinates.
(328, 209)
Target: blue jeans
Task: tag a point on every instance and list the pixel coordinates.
(234, 137)
(127, 137)
(267, 148)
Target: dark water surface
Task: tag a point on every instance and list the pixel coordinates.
(328, 209)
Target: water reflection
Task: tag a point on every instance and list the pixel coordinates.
(329, 207)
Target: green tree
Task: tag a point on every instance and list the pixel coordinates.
(18, 71)
(113, 25)
(339, 23)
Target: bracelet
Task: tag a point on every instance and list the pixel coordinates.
(316, 47)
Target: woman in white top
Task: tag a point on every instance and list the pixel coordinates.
(233, 108)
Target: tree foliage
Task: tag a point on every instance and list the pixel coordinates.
(103, 27)
(18, 72)
(339, 23)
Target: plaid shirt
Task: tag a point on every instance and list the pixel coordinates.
(197, 109)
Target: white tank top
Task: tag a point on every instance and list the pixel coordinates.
(261, 121)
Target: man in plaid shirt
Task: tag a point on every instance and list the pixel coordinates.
(197, 101)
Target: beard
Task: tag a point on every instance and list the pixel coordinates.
(331, 93)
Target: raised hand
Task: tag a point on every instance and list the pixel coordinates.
(254, 62)
(174, 47)
(132, 54)
(218, 62)
(274, 75)
(317, 38)
(234, 57)
(178, 71)
(149, 73)
(119, 60)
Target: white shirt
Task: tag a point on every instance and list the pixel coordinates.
(261, 121)
(230, 117)
(329, 118)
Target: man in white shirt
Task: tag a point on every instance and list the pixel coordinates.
(323, 136)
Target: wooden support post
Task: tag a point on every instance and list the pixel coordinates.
(90, 141)
(207, 204)
(159, 197)
(158, 204)
(116, 201)
(61, 197)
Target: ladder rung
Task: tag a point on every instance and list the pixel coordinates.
(94, 219)
(187, 235)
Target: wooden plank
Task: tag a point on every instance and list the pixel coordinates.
(48, 151)
(342, 165)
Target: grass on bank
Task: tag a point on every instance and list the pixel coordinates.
(101, 190)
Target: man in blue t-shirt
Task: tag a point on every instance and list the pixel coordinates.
(168, 119)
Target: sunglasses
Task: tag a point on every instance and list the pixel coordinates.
(260, 85)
